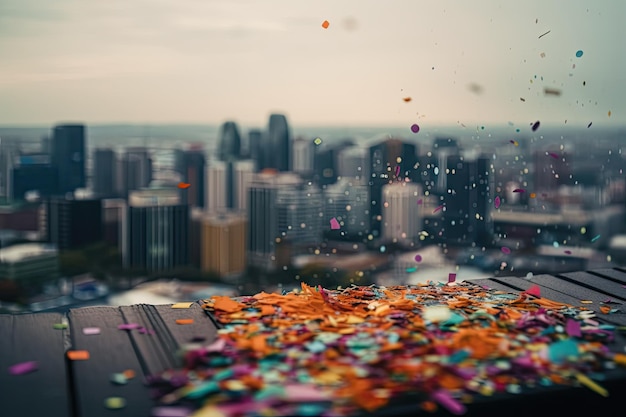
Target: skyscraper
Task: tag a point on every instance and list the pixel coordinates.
(68, 156)
(155, 231)
(257, 152)
(223, 248)
(402, 221)
(302, 157)
(135, 170)
(219, 186)
(243, 176)
(279, 143)
(191, 165)
(230, 142)
(73, 223)
(104, 172)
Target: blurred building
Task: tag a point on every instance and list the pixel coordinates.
(191, 164)
(256, 149)
(112, 214)
(302, 156)
(33, 173)
(467, 203)
(104, 172)
(219, 186)
(279, 143)
(552, 170)
(73, 223)
(30, 265)
(243, 172)
(353, 164)
(155, 231)
(20, 216)
(230, 142)
(224, 244)
(8, 150)
(68, 156)
(134, 170)
(402, 220)
(195, 237)
(348, 202)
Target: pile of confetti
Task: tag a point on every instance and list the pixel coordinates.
(338, 352)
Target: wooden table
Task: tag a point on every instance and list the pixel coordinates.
(63, 388)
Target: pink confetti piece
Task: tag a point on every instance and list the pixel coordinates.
(143, 330)
(419, 201)
(568, 252)
(519, 190)
(171, 412)
(128, 326)
(418, 258)
(23, 368)
(415, 128)
(572, 327)
(496, 202)
(334, 224)
(534, 290)
(304, 393)
(554, 155)
(451, 277)
(505, 250)
(437, 209)
(91, 330)
(449, 403)
(397, 170)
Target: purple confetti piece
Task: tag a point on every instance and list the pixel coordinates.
(415, 128)
(216, 346)
(572, 327)
(568, 252)
(128, 326)
(449, 403)
(505, 250)
(419, 201)
(496, 202)
(23, 368)
(171, 412)
(418, 258)
(91, 330)
(554, 155)
(334, 224)
(536, 126)
(437, 209)
(397, 170)
(519, 190)
(451, 277)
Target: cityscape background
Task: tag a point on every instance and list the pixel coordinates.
(234, 150)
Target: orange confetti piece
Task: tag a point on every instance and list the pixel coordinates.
(407, 99)
(77, 355)
(325, 24)
(183, 185)
(226, 304)
(605, 309)
(184, 321)
(586, 302)
(533, 195)
(609, 113)
(129, 374)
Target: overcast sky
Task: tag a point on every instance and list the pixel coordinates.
(206, 61)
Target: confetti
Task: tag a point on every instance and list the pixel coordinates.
(505, 250)
(436, 314)
(437, 209)
(496, 202)
(325, 24)
(586, 381)
(572, 327)
(522, 99)
(589, 125)
(317, 141)
(23, 368)
(119, 379)
(535, 126)
(579, 53)
(519, 190)
(91, 330)
(182, 305)
(543, 54)
(451, 277)
(183, 185)
(407, 99)
(184, 321)
(605, 309)
(418, 258)
(532, 195)
(551, 91)
(514, 142)
(129, 374)
(449, 402)
(419, 201)
(128, 326)
(609, 113)
(534, 290)
(586, 302)
(77, 355)
(115, 403)
(553, 155)
(541, 36)
(334, 224)
(59, 326)
(397, 170)
(567, 252)
(415, 128)
(595, 238)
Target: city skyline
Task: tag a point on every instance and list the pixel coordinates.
(210, 61)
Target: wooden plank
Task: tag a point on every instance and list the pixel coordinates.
(491, 283)
(611, 273)
(111, 351)
(602, 285)
(44, 392)
(201, 328)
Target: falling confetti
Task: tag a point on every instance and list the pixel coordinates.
(536, 126)
(522, 99)
(505, 250)
(418, 258)
(552, 91)
(553, 155)
(23, 368)
(609, 113)
(437, 209)
(534, 290)
(77, 355)
(568, 252)
(543, 54)
(584, 83)
(589, 125)
(397, 170)
(514, 142)
(532, 195)
(184, 321)
(115, 403)
(407, 99)
(496, 202)
(519, 190)
(334, 224)
(91, 330)
(451, 277)
(415, 128)
(183, 185)
(595, 238)
(419, 201)
(579, 53)
(541, 36)
(317, 141)
(325, 24)
(475, 88)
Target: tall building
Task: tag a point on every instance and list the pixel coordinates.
(134, 169)
(155, 231)
(279, 143)
(302, 156)
(466, 215)
(8, 151)
(402, 220)
(113, 210)
(72, 224)
(191, 165)
(223, 249)
(219, 186)
(68, 156)
(257, 151)
(33, 173)
(243, 172)
(348, 202)
(104, 170)
(390, 161)
(230, 142)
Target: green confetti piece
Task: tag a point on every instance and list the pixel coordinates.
(115, 403)
(60, 326)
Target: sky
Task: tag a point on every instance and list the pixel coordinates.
(208, 61)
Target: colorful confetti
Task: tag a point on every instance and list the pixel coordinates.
(325, 24)
(579, 53)
(496, 202)
(438, 208)
(451, 277)
(589, 125)
(334, 224)
(595, 238)
(415, 128)
(182, 305)
(505, 250)
(568, 252)
(184, 321)
(77, 355)
(514, 142)
(553, 155)
(183, 185)
(418, 258)
(541, 36)
(317, 141)
(115, 403)
(407, 99)
(59, 326)
(536, 125)
(534, 291)
(519, 190)
(532, 195)
(551, 91)
(23, 368)
(609, 113)
(128, 326)
(91, 331)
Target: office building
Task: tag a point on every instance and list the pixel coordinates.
(113, 210)
(73, 223)
(348, 202)
(243, 172)
(230, 142)
(302, 156)
(30, 265)
(402, 220)
(353, 164)
(68, 156)
(256, 149)
(223, 248)
(219, 186)
(104, 172)
(134, 169)
(155, 231)
(33, 173)
(191, 165)
(279, 143)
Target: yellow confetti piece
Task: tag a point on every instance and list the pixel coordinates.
(620, 359)
(182, 305)
(609, 113)
(115, 403)
(592, 385)
(586, 302)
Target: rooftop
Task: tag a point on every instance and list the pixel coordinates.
(19, 253)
